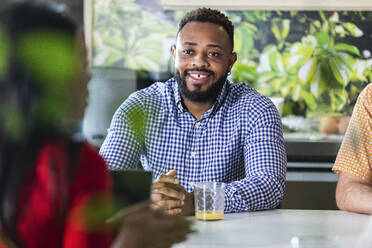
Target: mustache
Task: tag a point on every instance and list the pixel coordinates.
(197, 69)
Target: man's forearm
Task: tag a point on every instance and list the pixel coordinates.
(354, 197)
(252, 194)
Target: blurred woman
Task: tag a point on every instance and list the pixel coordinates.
(56, 191)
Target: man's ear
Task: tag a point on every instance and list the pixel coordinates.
(233, 58)
(173, 50)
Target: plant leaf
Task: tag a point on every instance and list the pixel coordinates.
(338, 71)
(286, 27)
(353, 29)
(323, 39)
(307, 71)
(318, 83)
(348, 48)
(296, 92)
(276, 61)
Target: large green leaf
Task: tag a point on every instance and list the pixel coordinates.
(296, 92)
(276, 31)
(348, 48)
(307, 51)
(238, 39)
(353, 29)
(309, 99)
(243, 72)
(339, 71)
(359, 70)
(277, 83)
(323, 39)
(287, 85)
(318, 83)
(295, 60)
(243, 38)
(307, 71)
(266, 76)
(338, 99)
(276, 61)
(286, 24)
(300, 54)
(265, 64)
(249, 28)
(346, 61)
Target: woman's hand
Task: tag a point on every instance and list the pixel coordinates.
(143, 227)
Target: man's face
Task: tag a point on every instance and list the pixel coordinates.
(202, 58)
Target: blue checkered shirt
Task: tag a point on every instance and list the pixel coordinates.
(238, 141)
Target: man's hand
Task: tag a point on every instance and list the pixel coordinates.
(168, 195)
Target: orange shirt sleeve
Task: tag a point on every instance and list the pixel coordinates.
(355, 154)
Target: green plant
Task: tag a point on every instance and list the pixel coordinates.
(327, 67)
(318, 70)
(245, 36)
(129, 37)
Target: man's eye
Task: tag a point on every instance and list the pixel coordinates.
(187, 52)
(214, 54)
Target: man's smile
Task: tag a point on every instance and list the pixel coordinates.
(198, 77)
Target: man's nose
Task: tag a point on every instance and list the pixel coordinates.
(200, 60)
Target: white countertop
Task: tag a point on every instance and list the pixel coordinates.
(275, 229)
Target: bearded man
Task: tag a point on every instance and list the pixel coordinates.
(199, 127)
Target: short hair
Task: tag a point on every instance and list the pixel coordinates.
(209, 15)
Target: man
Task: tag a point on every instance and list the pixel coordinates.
(354, 159)
(200, 127)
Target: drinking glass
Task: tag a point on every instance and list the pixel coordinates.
(209, 200)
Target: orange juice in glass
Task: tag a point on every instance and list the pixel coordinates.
(209, 200)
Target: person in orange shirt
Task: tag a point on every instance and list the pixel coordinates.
(354, 159)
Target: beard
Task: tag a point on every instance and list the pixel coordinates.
(200, 96)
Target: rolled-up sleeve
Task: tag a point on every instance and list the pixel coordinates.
(122, 148)
(265, 166)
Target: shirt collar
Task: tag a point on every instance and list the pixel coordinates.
(177, 96)
(220, 98)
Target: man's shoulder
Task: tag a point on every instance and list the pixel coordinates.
(242, 90)
(157, 91)
(151, 97)
(366, 94)
(241, 93)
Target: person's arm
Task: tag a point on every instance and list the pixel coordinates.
(353, 162)
(265, 166)
(89, 203)
(142, 227)
(122, 146)
(354, 195)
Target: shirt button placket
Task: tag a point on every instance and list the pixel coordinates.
(193, 154)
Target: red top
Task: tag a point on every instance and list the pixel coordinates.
(44, 222)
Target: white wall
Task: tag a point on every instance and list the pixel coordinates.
(108, 88)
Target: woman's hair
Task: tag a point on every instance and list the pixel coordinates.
(28, 64)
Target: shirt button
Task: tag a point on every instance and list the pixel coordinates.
(193, 154)
(197, 124)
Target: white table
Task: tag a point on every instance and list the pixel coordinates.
(275, 228)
